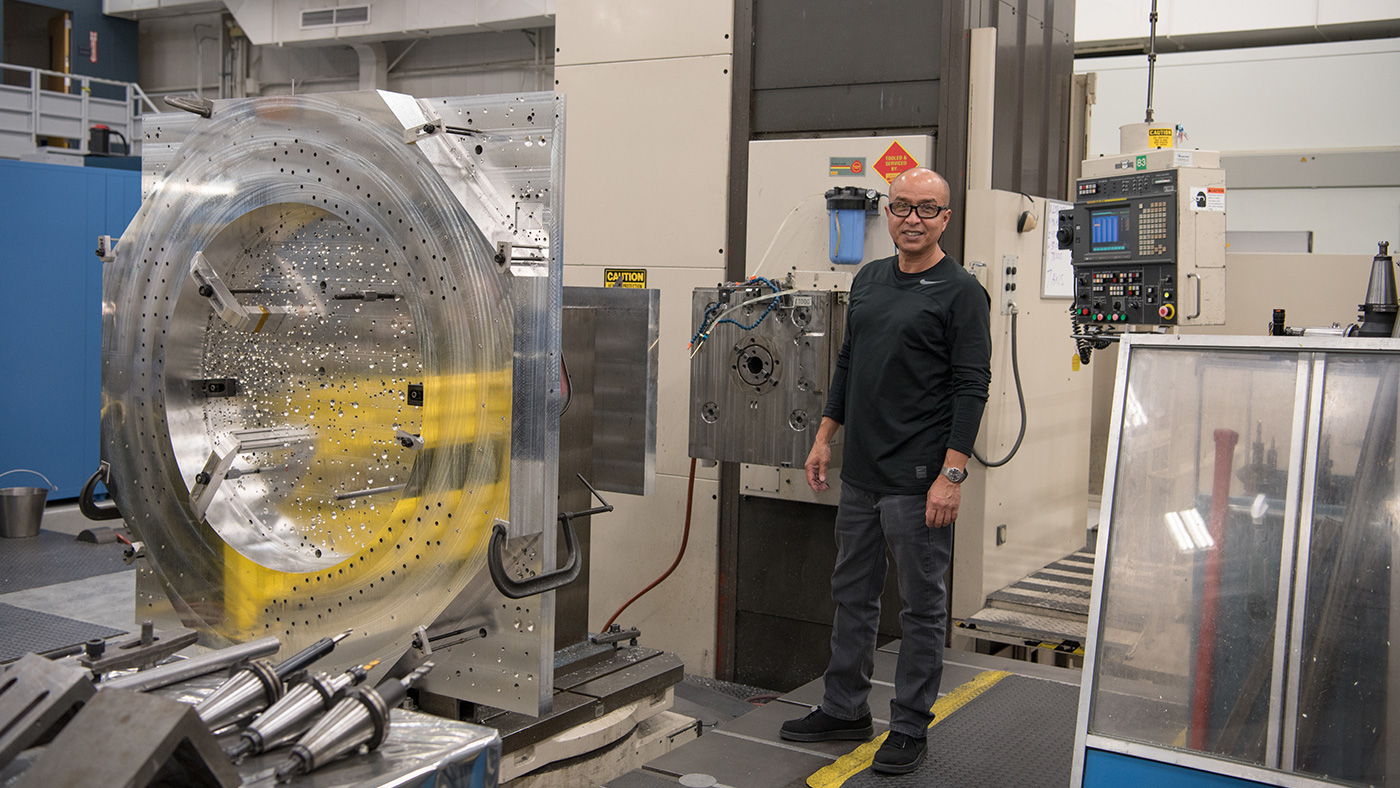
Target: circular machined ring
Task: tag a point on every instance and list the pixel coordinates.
(277, 501)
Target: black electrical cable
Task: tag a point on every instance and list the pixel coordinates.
(1020, 397)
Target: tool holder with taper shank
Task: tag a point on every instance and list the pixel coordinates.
(360, 719)
(295, 713)
(259, 684)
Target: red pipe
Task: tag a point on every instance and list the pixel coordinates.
(1225, 441)
(685, 539)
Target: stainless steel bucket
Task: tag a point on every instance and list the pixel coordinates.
(21, 508)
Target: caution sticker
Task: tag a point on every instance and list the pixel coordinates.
(1160, 138)
(847, 167)
(625, 277)
(1208, 198)
(895, 160)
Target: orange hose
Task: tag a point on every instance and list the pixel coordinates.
(685, 539)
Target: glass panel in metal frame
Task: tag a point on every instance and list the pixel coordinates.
(1349, 666)
(1186, 640)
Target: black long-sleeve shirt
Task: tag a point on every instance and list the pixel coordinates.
(912, 378)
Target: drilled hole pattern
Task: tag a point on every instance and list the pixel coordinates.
(320, 208)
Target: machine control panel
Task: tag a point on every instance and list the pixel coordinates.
(1122, 233)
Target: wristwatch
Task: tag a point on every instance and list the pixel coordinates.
(955, 475)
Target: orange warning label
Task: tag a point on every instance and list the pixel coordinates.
(895, 160)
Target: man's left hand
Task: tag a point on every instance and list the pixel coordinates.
(943, 500)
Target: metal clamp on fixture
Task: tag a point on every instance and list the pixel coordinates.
(519, 589)
(87, 505)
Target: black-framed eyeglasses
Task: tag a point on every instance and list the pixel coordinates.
(928, 210)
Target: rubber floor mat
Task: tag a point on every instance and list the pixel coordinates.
(997, 730)
(52, 557)
(23, 630)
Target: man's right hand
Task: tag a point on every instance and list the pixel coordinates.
(820, 457)
(817, 461)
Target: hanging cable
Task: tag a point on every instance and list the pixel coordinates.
(1151, 57)
(779, 231)
(685, 539)
(1020, 398)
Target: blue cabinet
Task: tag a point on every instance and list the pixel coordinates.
(51, 319)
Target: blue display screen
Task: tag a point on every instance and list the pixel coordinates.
(1109, 230)
(1105, 228)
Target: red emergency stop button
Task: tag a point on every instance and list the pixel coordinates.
(1167, 311)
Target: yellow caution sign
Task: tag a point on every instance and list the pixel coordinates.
(625, 277)
(1160, 138)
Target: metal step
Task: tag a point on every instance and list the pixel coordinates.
(1010, 626)
(1050, 606)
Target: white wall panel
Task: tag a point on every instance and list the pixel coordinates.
(787, 179)
(1111, 20)
(1343, 221)
(646, 186)
(647, 162)
(1275, 98)
(633, 545)
(618, 30)
(1304, 97)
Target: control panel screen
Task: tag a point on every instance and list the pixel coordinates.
(1106, 226)
(1122, 237)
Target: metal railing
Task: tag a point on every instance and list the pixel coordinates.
(30, 112)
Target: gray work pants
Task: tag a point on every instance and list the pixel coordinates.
(866, 523)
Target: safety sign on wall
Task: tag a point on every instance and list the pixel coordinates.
(847, 167)
(895, 160)
(1207, 198)
(625, 277)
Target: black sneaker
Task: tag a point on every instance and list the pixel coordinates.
(900, 754)
(820, 726)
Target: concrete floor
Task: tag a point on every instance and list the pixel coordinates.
(108, 600)
(745, 753)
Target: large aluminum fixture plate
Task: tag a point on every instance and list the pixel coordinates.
(756, 394)
(372, 236)
(625, 362)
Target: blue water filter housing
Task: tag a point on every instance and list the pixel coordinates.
(847, 209)
(846, 237)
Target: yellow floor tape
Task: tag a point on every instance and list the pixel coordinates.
(859, 759)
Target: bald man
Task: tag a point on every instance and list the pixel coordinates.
(909, 388)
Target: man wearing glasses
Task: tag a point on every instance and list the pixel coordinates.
(909, 387)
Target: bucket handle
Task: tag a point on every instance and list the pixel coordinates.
(52, 486)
